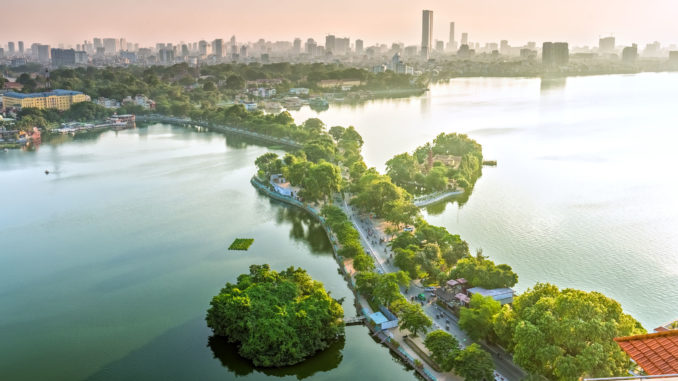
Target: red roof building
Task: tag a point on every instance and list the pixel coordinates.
(656, 353)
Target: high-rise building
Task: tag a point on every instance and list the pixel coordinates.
(21, 48)
(311, 47)
(426, 33)
(555, 53)
(630, 54)
(330, 41)
(296, 46)
(606, 45)
(440, 45)
(43, 53)
(10, 48)
(218, 47)
(184, 50)
(464, 38)
(358, 46)
(342, 46)
(63, 57)
(504, 47)
(122, 44)
(243, 51)
(96, 43)
(2, 53)
(451, 44)
(202, 48)
(110, 46)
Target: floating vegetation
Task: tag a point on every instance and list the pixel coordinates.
(241, 244)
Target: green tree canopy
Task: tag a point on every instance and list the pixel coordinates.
(566, 334)
(474, 364)
(478, 319)
(444, 348)
(277, 318)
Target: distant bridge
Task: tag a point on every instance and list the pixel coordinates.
(220, 128)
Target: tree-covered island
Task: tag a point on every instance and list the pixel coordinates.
(276, 318)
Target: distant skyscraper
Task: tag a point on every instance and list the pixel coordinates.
(296, 46)
(311, 46)
(330, 41)
(555, 53)
(184, 50)
(426, 33)
(2, 53)
(21, 48)
(358, 46)
(630, 53)
(10, 48)
(451, 44)
(202, 48)
(243, 51)
(42, 53)
(606, 45)
(122, 44)
(504, 47)
(63, 57)
(464, 38)
(110, 46)
(218, 47)
(97, 43)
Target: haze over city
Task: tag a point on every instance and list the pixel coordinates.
(580, 22)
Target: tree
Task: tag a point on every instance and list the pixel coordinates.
(363, 262)
(474, 364)
(482, 272)
(401, 169)
(477, 320)
(235, 82)
(314, 126)
(413, 318)
(444, 348)
(337, 132)
(387, 287)
(209, 86)
(276, 318)
(566, 334)
(268, 164)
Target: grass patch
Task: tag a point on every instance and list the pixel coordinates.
(241, 244)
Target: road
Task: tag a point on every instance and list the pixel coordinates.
(506, 370)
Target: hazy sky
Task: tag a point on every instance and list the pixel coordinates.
(148, 21)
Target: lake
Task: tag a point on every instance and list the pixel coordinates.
(109, 262)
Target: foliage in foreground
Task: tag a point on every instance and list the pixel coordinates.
(277, 318)
(472, 363)
(566, 334)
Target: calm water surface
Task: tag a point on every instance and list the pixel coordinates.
(585, 194)
(108, 264)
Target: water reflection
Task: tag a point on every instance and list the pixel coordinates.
(305, 229)
(552, 84)
(227, 353)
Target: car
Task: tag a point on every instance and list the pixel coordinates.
(408, 229)
(379, 271)
(430, 289)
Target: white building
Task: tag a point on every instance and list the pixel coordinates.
(282, 186)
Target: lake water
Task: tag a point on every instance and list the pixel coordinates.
(585, 194)
(108, 264)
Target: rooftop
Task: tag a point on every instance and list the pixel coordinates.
(495, 292)
(656, 353)
(454, 282)
(57, 92)
(378, 318)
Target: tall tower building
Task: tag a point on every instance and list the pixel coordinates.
(358, 46)
(426, 33)
(464, 38)
(218, 47)
(297, 46)
(330, 42)
(10, 48)
(451, 44)
(21, 48)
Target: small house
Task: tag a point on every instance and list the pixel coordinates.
(383, 319)
(282, 186)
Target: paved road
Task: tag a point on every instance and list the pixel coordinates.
(506, 370)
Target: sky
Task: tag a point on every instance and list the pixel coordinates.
(580, 22)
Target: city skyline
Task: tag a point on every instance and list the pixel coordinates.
(578, 21)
